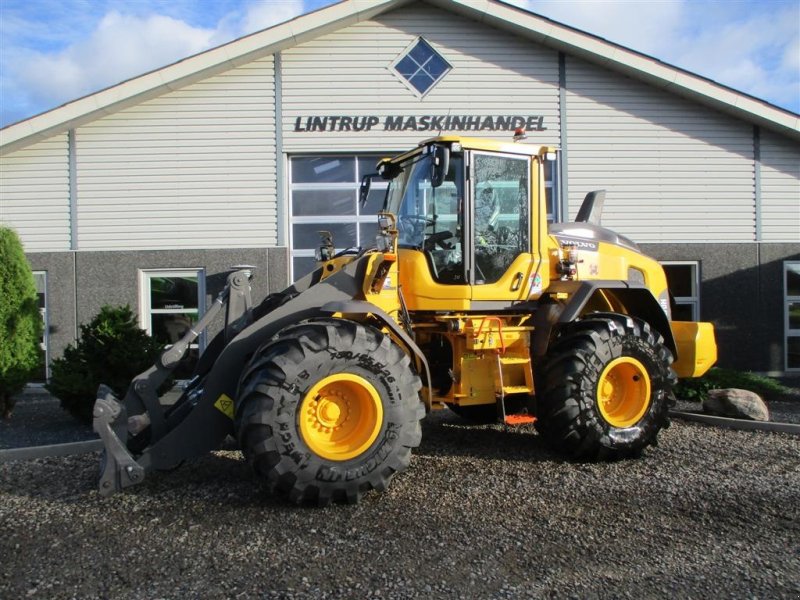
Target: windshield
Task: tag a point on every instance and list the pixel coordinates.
(424, 211)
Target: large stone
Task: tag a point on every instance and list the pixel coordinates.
(736, 404)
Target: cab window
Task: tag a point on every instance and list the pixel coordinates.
(501, 224)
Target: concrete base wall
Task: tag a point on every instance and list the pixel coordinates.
(741, 289)
(741, 292)
(80, 283)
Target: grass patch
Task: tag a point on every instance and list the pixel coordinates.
(718, 378)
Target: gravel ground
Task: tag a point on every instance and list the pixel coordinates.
(38, 420)
(481, 513)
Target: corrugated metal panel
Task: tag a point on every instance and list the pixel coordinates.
(780, 188)
(34, 194)
(194, 168)
(673, 170)
(349, 73)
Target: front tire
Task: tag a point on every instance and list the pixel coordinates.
(602, 391)
(328, 411)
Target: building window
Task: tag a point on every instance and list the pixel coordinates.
(421, 67)
(683, 280)
(791, 294)
(324, 197)
(172, 301)
(43, 373)
(551, 192)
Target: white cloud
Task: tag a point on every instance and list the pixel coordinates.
(262, 14)
(751, 53)
(791, 57)
(120, 46)
(643, 26)
(737, 44)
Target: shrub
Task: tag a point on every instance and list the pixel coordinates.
(112, 349)
(20, 321)
(718, 378)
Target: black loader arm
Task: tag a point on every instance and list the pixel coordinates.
(163, 436)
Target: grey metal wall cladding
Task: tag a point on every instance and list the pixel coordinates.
(349, 73)
(34, 194)
(741, 292)
(113, 278)
(673, 170)
(193, 168)
(780, 188)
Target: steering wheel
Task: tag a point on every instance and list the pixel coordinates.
(418, 220)
(439, 239)
(412, 228)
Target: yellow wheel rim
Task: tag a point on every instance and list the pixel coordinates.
(623, 392)
(340, 416)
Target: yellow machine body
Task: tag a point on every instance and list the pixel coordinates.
(478, 337)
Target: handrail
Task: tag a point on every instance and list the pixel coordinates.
(499, 331)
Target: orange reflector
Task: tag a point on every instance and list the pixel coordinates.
(522, 419)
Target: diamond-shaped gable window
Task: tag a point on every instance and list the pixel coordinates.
(421, 66)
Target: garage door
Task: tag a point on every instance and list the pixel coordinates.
(323, 196)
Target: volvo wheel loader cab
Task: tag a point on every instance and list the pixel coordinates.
(466, 300)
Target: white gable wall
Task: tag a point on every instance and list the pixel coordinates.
(194, 168)
(348, 73)
(34, 194)
(674, 171)
(780, 188)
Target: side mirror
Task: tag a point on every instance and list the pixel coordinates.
(440, 164)
(363, 189)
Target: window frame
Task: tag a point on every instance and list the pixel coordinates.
(788, 332)
(471, 214)
(322, 220)
(43, 311)
(406, 52)
(145, 297)
(694, 300)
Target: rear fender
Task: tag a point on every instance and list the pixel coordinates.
(632, 299)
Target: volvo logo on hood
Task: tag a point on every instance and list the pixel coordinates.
(579, 244)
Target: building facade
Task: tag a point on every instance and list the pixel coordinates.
(148, 192)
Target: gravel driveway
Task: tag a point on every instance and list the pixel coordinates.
(481, 513)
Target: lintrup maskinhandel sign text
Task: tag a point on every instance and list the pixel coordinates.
(420, 123)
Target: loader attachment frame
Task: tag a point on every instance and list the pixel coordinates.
(110, 416)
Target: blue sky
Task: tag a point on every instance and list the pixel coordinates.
(53, 51)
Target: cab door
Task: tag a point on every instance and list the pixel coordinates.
(502, 263)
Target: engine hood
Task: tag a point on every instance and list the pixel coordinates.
(588, 236)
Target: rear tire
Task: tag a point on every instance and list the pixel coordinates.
(603, 389)
(329, 410)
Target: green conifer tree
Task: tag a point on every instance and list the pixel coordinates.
(20, 321)
(112, 349)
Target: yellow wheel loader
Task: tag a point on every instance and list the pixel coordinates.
(466, 300)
